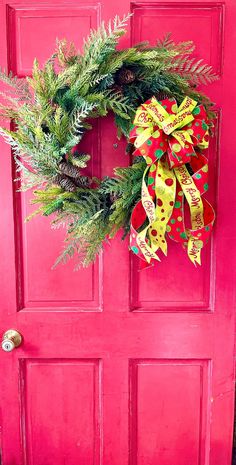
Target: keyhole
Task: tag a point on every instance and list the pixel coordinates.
(7, 346)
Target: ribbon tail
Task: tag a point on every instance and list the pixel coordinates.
(165, 195)
(195, 203)
(194, 253)
(144, 209)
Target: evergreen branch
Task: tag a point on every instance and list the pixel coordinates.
(101, 42)
(119, 104)
(194, 71)
(19, 87)
(65, 53)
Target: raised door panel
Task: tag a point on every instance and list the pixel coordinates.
(37, 247)
(201, 22)
(168, 412)
(169, 284)
(28, 23)
(61, 411)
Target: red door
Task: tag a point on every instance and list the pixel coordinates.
(118, 367)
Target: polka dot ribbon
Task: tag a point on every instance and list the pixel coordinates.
(166, 136)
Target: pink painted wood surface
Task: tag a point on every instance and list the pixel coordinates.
(118, 367)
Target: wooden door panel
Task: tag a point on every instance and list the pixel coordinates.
(61, 287)
(35, 256)
(163, 287)
(26, 23)
(201, 22)
(158, 401)
(67, 431)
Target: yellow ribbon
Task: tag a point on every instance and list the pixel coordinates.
(159, 215)
(149, 207)
(156, 115)
(194, 200)
(165, 196)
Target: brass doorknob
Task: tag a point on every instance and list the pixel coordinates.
(11, 340)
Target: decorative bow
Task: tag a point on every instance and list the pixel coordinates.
(166, 136)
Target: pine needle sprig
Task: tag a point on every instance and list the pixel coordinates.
(18, 87)
(194, 71)
(65, 53)
(118, 103)
(103, 41)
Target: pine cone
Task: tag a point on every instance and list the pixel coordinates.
(117, 89)
(83, 181)
(65, 183)
(69, 170)
(125, 76)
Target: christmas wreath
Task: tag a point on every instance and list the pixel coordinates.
(152, 91)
